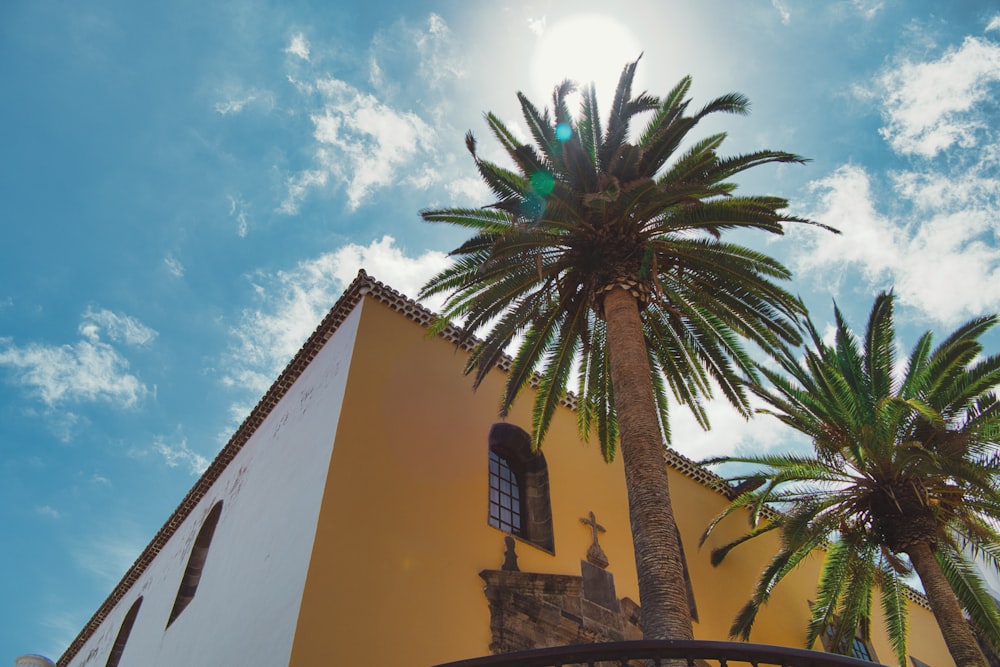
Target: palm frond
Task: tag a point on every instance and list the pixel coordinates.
(899, 459)
(581, 207)
(972, 594)
(552, 385)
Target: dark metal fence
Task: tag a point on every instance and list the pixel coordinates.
(661, 653)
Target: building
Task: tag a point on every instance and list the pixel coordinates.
(364, 514)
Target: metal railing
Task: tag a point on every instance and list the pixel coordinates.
(661, 653)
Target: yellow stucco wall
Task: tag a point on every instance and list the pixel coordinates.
(403, 528)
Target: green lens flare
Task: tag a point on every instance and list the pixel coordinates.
(542, 183)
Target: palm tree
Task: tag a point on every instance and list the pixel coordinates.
(902, 479)
(603, 250)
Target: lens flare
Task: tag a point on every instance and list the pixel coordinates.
(533, 208)
(542, 183)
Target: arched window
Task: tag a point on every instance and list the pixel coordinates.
(519, 487)
(119, 646)
(196, 562)
(856, 647)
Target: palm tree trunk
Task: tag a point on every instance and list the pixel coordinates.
(658, 555)
(945, 607)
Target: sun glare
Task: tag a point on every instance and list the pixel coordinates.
(585, 48)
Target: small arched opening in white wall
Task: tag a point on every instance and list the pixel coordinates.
(196, 563)
(123, 632)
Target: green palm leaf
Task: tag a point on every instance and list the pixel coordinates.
(905, 465)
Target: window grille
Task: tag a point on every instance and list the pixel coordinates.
(505, 496)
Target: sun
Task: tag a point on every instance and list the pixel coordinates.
(585, 48)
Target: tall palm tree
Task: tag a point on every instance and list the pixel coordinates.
(603, 250)
(903, 478)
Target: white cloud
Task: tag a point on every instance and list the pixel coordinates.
(427, 53)
(868, 8)
(468, 189)
(298, 187)
(423, 178)
(730, 435)
(994, 24)
(298, 46)
(438, 61)
(118, 327)
(944, 261)
(48, 511)
(786, 16)
(179, 454)
(974, 187)
(174, 266)
(364, 143)
(928, 104)
(930, 231)
(376, 76)
(65, 424)
(88, 370)
(847, 203)
(236, 98)
(233, 105)
(303, 87)
(237, 211)
(293, 303)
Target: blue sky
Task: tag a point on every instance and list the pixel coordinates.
(186, 187)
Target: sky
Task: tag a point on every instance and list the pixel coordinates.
(186, 187)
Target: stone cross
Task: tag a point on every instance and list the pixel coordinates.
(595, 554)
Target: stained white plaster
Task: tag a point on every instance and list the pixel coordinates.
(247, 602)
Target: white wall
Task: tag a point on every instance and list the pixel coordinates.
(247, 603)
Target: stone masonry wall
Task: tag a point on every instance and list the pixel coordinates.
(531, 610)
